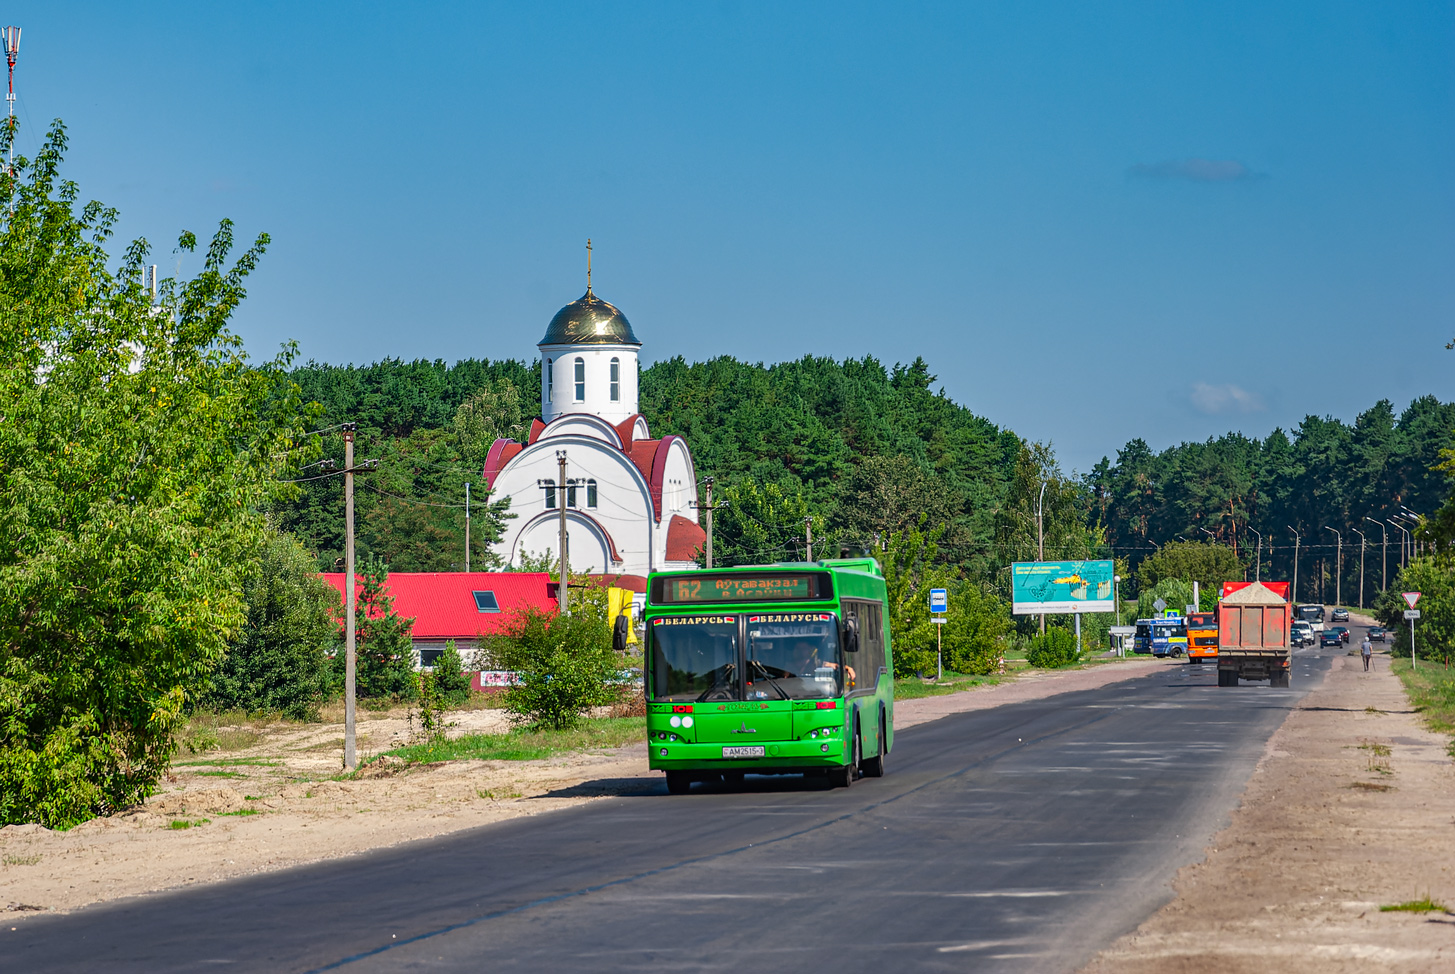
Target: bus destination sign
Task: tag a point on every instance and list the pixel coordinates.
(741, 588)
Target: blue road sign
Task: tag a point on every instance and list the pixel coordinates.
(939, 600)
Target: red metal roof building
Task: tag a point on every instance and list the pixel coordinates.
(462, 606)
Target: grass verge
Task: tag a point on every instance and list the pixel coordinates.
(1431, 690)
(525, 744)
(913, 688)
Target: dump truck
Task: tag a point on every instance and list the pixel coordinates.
(1253, 644)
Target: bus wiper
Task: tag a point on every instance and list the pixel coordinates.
(771, 680)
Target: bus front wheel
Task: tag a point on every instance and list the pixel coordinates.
(843, 777)
(679, 782)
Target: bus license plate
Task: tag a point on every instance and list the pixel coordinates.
(755, 751)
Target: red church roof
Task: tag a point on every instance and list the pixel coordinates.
(685, 538)
(443, 604)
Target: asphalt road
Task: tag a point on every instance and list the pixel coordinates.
(1022, 838)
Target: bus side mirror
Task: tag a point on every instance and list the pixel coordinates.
(619, 633)
(851, 636)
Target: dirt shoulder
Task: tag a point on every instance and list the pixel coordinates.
(1349, 809)
(267, 799)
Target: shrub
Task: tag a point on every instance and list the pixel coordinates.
(451, 682)
(564, 663)
(1056, 648)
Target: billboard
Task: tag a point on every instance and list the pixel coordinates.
(1062, 586)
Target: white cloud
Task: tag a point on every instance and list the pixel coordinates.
(1215, 399)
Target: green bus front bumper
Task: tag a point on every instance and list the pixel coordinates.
(777, 755)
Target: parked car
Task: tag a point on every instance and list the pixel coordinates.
(1343, 632)
(1378, 634)
(1340, 615)
(1330, 637)
(1301, 634)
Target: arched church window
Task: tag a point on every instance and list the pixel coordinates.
(580, 380)
(590, 493)
(616, 380)
(550, 486)
(571, 495)
(550, 382)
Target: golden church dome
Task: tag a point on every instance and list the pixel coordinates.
(589, 321)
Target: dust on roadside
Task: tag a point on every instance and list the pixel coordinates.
(1351, 808)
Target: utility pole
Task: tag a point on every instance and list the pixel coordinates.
(467, 527)
(1361, 565)
(808, 535)
(1384, 555)
(1338, 567)
(1295, 565)
(1258, 571)
(12, 51)
(1041, 538)
(709, 507)
(350, 658)
(709, 522)
(561, 499)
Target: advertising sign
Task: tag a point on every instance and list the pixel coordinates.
(1062, 586)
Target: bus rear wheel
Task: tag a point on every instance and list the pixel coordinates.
(679, 782)
(874, 767)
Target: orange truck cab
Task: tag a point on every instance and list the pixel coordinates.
(1202, 637)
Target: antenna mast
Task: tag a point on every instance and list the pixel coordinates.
(12, 51)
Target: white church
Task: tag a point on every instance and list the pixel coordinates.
(630, 499)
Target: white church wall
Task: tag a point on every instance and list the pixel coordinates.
(623, 505)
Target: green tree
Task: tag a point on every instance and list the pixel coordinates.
(759, 525)
(137, 447)
(1056, 648)
(1176, 592)
(911, 567)
(974, 633)
(279, 662)
(1191, 561)
(384, 648)
(1434, 579)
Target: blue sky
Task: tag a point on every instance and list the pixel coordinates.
(1096, 221)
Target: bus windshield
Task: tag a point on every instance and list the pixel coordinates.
(1311, 613)
(694, 658)
(793, 656)
(789, 656)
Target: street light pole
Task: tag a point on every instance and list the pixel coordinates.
(1338, 567)
(1295, 564)
(1361, 565)
(1402, 531)
(1384, 555)
(1258, 571)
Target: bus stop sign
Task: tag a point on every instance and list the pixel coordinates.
(939, 600)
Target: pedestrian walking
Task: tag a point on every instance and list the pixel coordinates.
(1366, 650)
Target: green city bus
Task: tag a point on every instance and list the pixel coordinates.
(769, 669)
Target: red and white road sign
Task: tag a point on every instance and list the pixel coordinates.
(1411, 598)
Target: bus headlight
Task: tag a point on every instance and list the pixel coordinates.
(686, 721)
(662, 752)
(675, 721)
